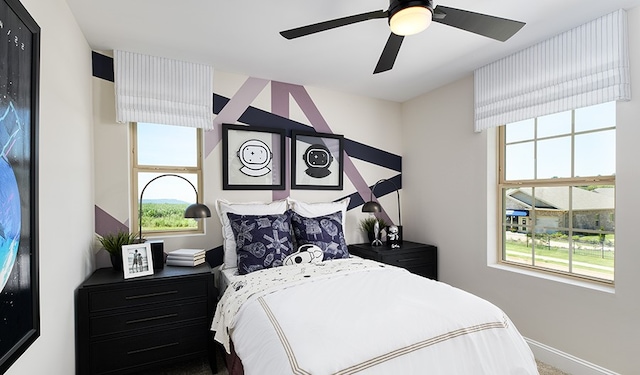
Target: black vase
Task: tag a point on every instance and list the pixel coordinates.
(116, 261)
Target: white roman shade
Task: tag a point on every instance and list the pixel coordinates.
(162, 91)
(584, 66)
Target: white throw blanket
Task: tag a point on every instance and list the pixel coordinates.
(359, 316)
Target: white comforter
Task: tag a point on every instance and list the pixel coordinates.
(358, 316)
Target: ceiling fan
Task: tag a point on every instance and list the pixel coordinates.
(408, 17)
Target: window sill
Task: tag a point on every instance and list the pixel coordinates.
(556, 278)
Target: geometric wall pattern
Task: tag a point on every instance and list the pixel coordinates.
(238, 109)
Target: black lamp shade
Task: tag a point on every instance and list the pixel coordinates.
(197, 211)
(371, 206)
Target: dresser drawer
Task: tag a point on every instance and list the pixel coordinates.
(127, 352)
(406, 259)
(147, 318)
(156, 293)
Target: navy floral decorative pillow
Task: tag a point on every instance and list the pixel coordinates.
(323, 231)
(261, 241)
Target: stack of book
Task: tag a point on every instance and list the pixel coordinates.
(185, 257)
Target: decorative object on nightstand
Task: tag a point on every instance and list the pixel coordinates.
(418, 258)
(137, 260)
(373, 206)
(127, 326)
(186, 257)
(194, 211)
(113, 243)
(367, 225)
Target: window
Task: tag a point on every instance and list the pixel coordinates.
(557, 174)
(158, 150)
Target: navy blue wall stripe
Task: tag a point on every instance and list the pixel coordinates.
(103, 68)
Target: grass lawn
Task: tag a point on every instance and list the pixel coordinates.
(558, 257)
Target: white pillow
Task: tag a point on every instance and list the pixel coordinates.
(320, 209)
(247, 208)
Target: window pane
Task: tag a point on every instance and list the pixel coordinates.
(596, 117)
(167, 145)
(165, 200)
(555, 124)
(551, 235)
(519, 131)
(516, 230)
(554, 158)
(519, 161)
(596, 154)
(593, 237)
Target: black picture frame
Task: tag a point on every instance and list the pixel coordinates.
(253, 158)
(322, 149)
(19, 93)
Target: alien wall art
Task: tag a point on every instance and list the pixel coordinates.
(253, 158)
(19, 78)
(316, 161)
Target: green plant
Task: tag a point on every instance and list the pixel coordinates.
(367, 224)
(113, 242)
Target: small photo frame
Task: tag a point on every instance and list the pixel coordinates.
(316, 161)
(253, 158)
(137, 260)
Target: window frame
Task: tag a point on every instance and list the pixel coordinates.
(136, 169)
(566, 182)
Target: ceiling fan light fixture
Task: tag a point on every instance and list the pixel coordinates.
(410, 20)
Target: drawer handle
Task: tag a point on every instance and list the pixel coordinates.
(151, 319)
(405, 260)
(153, 348)
(151, 295)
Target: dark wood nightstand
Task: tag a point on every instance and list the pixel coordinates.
(126, 326)
(416, 257)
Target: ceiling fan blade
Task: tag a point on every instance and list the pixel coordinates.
(482, 24)
(327, 25)
(389, 53)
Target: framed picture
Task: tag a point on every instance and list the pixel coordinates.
(19, 86)
(316, 161)
(252, 158)
(137, 260)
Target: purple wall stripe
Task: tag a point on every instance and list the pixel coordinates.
(106, 224)
(280, 107)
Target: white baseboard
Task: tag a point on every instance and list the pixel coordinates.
(565, 362)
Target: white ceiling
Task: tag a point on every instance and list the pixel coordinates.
(241, 36)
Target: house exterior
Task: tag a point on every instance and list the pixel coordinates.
(555, 207)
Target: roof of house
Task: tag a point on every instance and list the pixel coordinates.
(558, 198)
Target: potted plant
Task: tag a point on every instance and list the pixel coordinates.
(367, 225)
(113, 243)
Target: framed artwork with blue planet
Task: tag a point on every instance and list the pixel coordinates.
(19, 86)
(316, 160)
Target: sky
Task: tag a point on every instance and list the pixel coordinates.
(595, 152)
(168, 146)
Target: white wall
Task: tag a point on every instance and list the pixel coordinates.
(446, 183)
(66, 185)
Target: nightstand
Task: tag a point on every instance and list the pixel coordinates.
(126, 326)
(416, 257)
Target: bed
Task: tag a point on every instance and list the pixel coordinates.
(345, 315)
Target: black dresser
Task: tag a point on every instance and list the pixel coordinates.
(126, 326)
(416, 257)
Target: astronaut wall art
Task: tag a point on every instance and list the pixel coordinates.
(253, 158)
(316, 161)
